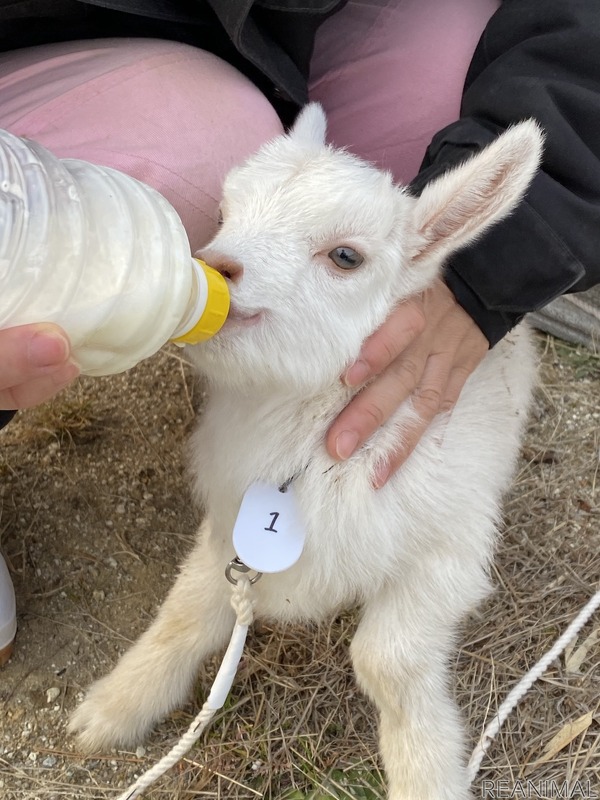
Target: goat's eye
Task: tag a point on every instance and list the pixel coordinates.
(346, 258)
(219, 217)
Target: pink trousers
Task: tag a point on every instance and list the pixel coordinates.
(389, 74)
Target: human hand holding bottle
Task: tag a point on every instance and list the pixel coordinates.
(35, 364)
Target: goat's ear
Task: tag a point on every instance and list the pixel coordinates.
(456, 208)
(310, 126)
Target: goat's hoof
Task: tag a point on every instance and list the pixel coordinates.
(105, 720)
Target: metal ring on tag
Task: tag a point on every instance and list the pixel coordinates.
(239, 566)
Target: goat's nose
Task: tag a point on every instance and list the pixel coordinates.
(228, 267)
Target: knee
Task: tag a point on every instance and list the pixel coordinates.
(185, 121)
(171, 115)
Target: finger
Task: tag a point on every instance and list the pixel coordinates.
(456, 381)
(28, 351)
(38, 390)
(405, 324)
(430, 394)
(375, 404)
(470, 353)
(410, 440)
(429, 399)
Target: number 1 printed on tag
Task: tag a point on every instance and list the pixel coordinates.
(268, 535)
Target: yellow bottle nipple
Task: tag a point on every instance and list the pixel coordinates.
(215, 311)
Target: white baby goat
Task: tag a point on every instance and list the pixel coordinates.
(413, 554)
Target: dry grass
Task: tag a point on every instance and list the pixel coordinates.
(294, 725)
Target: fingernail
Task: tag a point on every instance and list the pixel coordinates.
(345, 444)
(48, 349)
(382, 473)
(357, 374)
(442, 426)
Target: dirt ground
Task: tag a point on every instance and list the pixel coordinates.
(96, 514)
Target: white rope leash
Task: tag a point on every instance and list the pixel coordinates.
(526, 682)
(243, 604)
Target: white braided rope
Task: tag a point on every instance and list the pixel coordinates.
(526, 682)
(243, 605)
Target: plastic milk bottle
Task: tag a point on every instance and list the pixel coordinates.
(101, 254)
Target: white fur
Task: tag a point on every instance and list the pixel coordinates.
(413, 554)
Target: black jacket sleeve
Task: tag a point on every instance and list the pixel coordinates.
(540, 59)
(5, 417)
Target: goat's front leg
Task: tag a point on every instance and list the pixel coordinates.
(158, 672)
(399, 654)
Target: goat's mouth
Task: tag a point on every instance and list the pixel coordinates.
(240, 318)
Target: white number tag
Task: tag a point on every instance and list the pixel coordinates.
(268, 535)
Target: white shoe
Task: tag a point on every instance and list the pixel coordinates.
(8, 614)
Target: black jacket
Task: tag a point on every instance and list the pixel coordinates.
(537, 58)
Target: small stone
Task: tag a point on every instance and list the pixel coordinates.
(140, 752)
(49, 761)
(52, 694)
